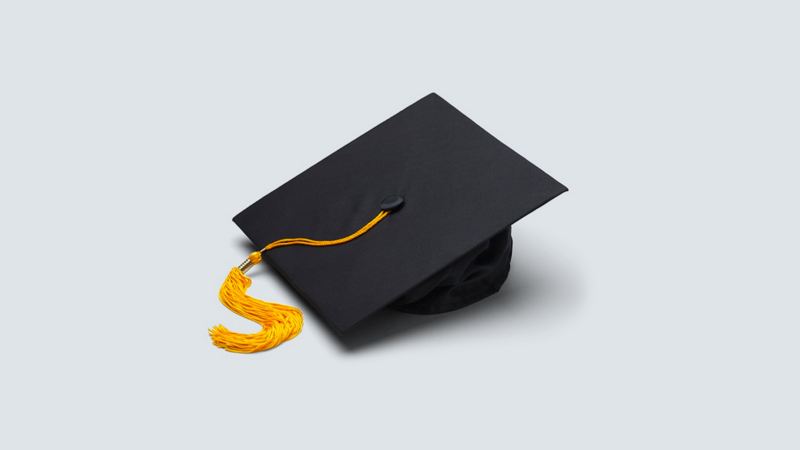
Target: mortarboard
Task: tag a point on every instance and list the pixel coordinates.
(415, 214)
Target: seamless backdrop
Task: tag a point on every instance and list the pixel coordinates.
(654, 305)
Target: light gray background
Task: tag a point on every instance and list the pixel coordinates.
(655, 305)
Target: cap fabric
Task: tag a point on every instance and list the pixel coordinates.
(446, 246)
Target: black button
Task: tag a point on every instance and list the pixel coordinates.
(392, 203)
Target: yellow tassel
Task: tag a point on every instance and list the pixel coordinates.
(279, 323)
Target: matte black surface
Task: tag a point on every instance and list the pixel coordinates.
(461, 187)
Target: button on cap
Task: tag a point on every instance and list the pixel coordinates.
(392, 203)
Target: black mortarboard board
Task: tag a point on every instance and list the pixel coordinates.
(448, 246)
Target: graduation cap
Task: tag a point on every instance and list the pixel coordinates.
(415, 214)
